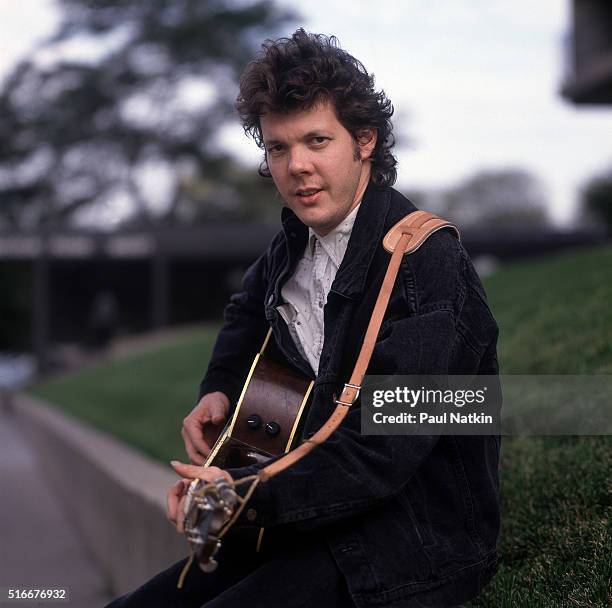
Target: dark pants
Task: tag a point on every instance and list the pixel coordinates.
(291, 577)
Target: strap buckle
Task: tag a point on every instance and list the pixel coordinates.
(345, 403)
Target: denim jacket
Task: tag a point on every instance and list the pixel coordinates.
(410, 520)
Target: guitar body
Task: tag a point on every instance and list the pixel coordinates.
(265, 420)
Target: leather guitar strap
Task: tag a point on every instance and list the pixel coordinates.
(404, 238)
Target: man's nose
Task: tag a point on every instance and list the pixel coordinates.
(299, 162)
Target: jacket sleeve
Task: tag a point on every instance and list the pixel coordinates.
(351, 473)
(242, 334)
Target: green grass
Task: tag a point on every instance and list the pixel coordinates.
(555, 314)
(556, 538)
(141, 398)
(555, 317)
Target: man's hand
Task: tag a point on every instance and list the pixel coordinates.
(177, 495)
(211, 409)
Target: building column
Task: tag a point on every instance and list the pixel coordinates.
(160, 288)
(40, 306)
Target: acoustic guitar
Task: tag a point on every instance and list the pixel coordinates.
(264, 424)
(266, 418)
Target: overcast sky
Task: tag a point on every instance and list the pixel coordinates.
(474, 83)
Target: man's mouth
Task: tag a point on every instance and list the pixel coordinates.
(308, 194)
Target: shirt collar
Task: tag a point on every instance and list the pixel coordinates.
(335, 242)
(366, 236)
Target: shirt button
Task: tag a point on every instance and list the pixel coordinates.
(251, 514)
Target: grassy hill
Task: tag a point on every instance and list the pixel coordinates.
(140, 397)
(554, 314)
(555, 317)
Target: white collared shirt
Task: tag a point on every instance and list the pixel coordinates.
(305, 293)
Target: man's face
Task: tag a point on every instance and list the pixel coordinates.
(319, 169)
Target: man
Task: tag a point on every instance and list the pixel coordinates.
(361, 520)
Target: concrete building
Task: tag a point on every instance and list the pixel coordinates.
(51, 282)
(588, 69)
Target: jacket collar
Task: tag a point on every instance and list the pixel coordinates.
(366, 236)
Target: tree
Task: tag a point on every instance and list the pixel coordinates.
(500, 199)
(80, 134)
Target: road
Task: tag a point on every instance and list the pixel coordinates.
(39, 546)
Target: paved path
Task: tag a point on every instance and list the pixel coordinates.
(39, 546)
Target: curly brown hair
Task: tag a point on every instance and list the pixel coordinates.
(297, 73)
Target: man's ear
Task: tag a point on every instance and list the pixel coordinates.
(366, 139)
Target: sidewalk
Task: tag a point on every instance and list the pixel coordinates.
(39, 546)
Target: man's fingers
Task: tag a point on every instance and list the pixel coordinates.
(192, 435)
(197, 449)
(177, 495)
(189, 470)
(172, 499)
(194, 456)
(217, 413)
(211, 409)
(195, 472)
(176, 498)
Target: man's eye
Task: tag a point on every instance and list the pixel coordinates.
(275, 149)
(319, 139)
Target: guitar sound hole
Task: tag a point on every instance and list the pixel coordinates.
(242, 456)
